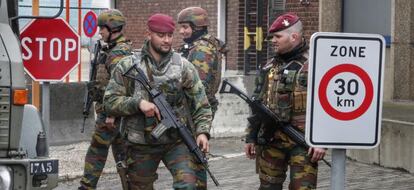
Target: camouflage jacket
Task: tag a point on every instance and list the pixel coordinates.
(205, 53)
(281, 86)
(176, 78)
(109, 57)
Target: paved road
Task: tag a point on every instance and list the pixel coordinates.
(234, 171)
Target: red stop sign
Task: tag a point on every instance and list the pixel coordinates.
(50, 49)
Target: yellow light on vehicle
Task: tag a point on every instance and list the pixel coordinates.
(20, 97)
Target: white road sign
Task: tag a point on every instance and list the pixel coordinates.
(345, 90)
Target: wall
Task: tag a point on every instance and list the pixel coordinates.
(402, 49)
(137, 17)
(397, 137)
(234, 34)
(138, 11)
(66, 106)
(309, 14)
(66, 103)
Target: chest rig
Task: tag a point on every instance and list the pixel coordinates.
(169, 81)
(285, 92)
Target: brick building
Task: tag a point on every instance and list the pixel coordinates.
(231, 23)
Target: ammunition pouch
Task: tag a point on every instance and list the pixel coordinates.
(137, 130)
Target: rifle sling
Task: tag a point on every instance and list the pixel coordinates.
(149, 72)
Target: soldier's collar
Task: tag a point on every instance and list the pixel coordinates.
(112, 43)
(195, 35)
(294, 54)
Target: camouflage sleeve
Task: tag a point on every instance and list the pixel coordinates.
(199, 107)
(116, 54)
(118, 99)
(260, 81)
(254, 121)
(204, 57)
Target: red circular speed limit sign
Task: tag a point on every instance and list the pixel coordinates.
(323, 91)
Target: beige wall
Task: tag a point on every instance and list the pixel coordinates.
(402, 50)
(388, 77)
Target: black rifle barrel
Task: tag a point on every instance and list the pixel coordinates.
(286, 128)
(87, 100)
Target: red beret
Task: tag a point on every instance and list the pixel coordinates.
(283, 21)
(161, 23)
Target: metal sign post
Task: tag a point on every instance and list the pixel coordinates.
(46, 112)
(338, 169)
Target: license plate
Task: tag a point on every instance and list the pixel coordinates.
(44, 167)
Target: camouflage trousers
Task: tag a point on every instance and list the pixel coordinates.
(143, 161)
(95, 159)
(273, 160)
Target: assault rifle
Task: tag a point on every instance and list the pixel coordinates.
(169, 120)
(265, 112)
(88, 98)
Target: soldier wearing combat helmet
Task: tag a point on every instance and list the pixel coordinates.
(106, 132)
(203, 50)
(281, 86)
(179, 82)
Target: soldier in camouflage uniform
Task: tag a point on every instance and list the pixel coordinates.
(106, 132)
(282, 87)
(179, 81)
(203, 50)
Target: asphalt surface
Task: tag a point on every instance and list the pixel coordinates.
(233, 171)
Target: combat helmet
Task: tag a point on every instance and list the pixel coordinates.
(112, 19)
(194, 15)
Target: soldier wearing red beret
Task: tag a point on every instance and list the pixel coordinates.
(178, 80)
(281, 86)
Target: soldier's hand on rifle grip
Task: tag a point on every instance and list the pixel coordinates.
(250, 150)
(202, 142)
(316, 153)
(149, 109)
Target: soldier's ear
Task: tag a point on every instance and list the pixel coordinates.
(294, 37)
(148, 34)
